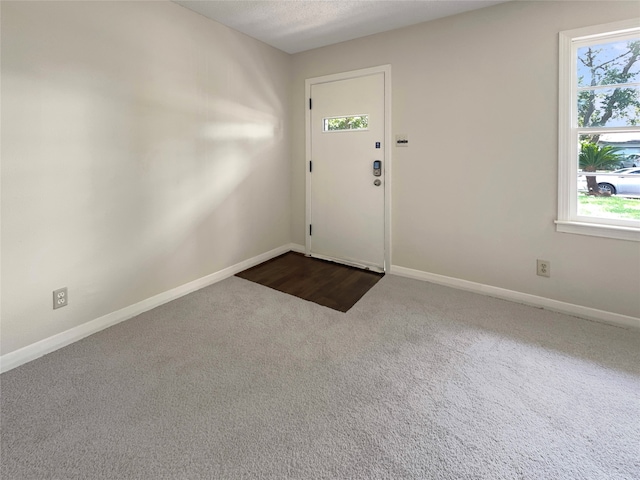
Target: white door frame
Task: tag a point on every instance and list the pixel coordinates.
(386, 71)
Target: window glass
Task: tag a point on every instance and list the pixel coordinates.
(604, 63)
(603, 189)
(609, 107)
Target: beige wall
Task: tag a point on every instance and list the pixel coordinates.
(475, 193)
(143, 146)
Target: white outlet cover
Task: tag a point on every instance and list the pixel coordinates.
(60, 298)
(544, 268)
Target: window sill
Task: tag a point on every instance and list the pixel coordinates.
(598, 230)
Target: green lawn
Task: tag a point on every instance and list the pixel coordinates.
(609, 207)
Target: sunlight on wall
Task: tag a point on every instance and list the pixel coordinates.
(224, 153)
(239, 131)
(240, 122)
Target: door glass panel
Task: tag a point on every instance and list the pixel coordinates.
(337, 124)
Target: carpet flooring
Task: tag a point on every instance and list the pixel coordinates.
(415, 381)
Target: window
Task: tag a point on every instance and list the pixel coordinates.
(339, 124)
(599, 138)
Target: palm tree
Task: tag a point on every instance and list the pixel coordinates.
(594, 157)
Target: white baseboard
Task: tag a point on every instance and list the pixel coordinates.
(524, 298)
(295, 247)
(31, 352)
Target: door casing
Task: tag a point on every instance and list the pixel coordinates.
(386, 71)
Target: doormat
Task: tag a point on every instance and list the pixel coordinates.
(326, 283)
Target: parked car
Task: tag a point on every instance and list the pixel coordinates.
(625, 181)
(630, 161)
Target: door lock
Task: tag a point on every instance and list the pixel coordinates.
(377, 168)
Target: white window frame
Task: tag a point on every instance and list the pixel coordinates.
(568, 219)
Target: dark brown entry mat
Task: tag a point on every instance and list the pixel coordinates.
(326, 283)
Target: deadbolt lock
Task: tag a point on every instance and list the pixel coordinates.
(377, 168)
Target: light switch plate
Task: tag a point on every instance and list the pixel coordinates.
(402, 140)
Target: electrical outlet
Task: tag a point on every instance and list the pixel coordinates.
(60, 298)
(544, 268)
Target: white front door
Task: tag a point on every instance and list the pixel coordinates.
(346, 214)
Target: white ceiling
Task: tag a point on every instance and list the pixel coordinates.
(298, 25)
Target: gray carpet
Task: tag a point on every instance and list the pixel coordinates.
(416, 381)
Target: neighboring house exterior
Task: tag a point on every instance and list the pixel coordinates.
(630, 149)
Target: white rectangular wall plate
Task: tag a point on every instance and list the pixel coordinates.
(402, 140)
